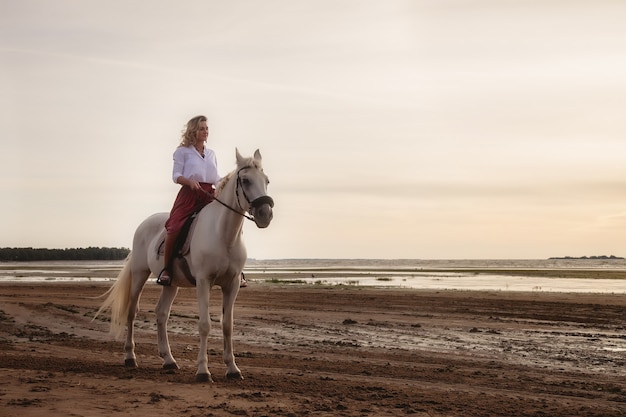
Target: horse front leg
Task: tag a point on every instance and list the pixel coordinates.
(162, 316)
(228, 302)
(204, 327)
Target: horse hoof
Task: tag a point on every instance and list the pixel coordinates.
(204, 378)
(130, 363)
(234, 375)
(172, 365)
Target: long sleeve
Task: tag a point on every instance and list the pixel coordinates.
(179, 163)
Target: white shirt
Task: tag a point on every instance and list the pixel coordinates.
(189, 163)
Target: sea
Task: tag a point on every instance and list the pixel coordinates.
(548, 275)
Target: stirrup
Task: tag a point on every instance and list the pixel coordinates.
(161, 279)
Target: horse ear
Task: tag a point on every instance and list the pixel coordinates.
(239, 157)
(257, 155)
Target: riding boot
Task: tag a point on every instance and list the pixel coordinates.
(165, 275)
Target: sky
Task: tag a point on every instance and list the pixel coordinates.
(428, 129)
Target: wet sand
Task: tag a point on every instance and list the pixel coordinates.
(320, 351)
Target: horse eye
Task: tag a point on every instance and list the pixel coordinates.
(245, 181)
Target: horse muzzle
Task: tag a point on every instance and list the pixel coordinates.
(264, 199)
(261, 210)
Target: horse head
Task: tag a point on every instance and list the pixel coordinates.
(252, 182)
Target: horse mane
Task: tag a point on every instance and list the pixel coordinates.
(247, 163)
(222, 184)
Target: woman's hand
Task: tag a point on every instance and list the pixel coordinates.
(193, 184)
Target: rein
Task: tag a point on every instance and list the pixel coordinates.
(233, 209)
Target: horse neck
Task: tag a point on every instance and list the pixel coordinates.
(229, 223)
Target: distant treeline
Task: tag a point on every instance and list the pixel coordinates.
(73, 254)
(588, 257)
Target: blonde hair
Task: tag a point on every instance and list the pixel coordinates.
(188, 137)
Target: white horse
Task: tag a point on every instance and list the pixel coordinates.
(216, 257)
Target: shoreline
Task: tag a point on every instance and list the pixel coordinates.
(517, 277)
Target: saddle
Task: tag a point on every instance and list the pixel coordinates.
(181, 248)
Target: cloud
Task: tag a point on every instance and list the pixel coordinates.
(385, 127)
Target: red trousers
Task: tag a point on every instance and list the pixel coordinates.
(187, 202)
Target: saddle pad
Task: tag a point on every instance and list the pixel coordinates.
(183, 243)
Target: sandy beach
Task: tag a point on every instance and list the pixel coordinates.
(320, 351)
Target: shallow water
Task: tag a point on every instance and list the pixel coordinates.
(403, 273)
(409, 273)
(479, 282)
(62, 271)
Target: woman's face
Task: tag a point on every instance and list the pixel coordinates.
(203, 132)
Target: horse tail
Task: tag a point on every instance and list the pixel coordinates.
(118, 300)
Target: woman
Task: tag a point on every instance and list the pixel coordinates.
(195, 168)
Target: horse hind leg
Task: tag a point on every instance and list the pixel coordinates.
(130, 359)
(122, 298)
(162, 316)
(138, 281)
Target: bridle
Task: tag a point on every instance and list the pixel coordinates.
(264, 199)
